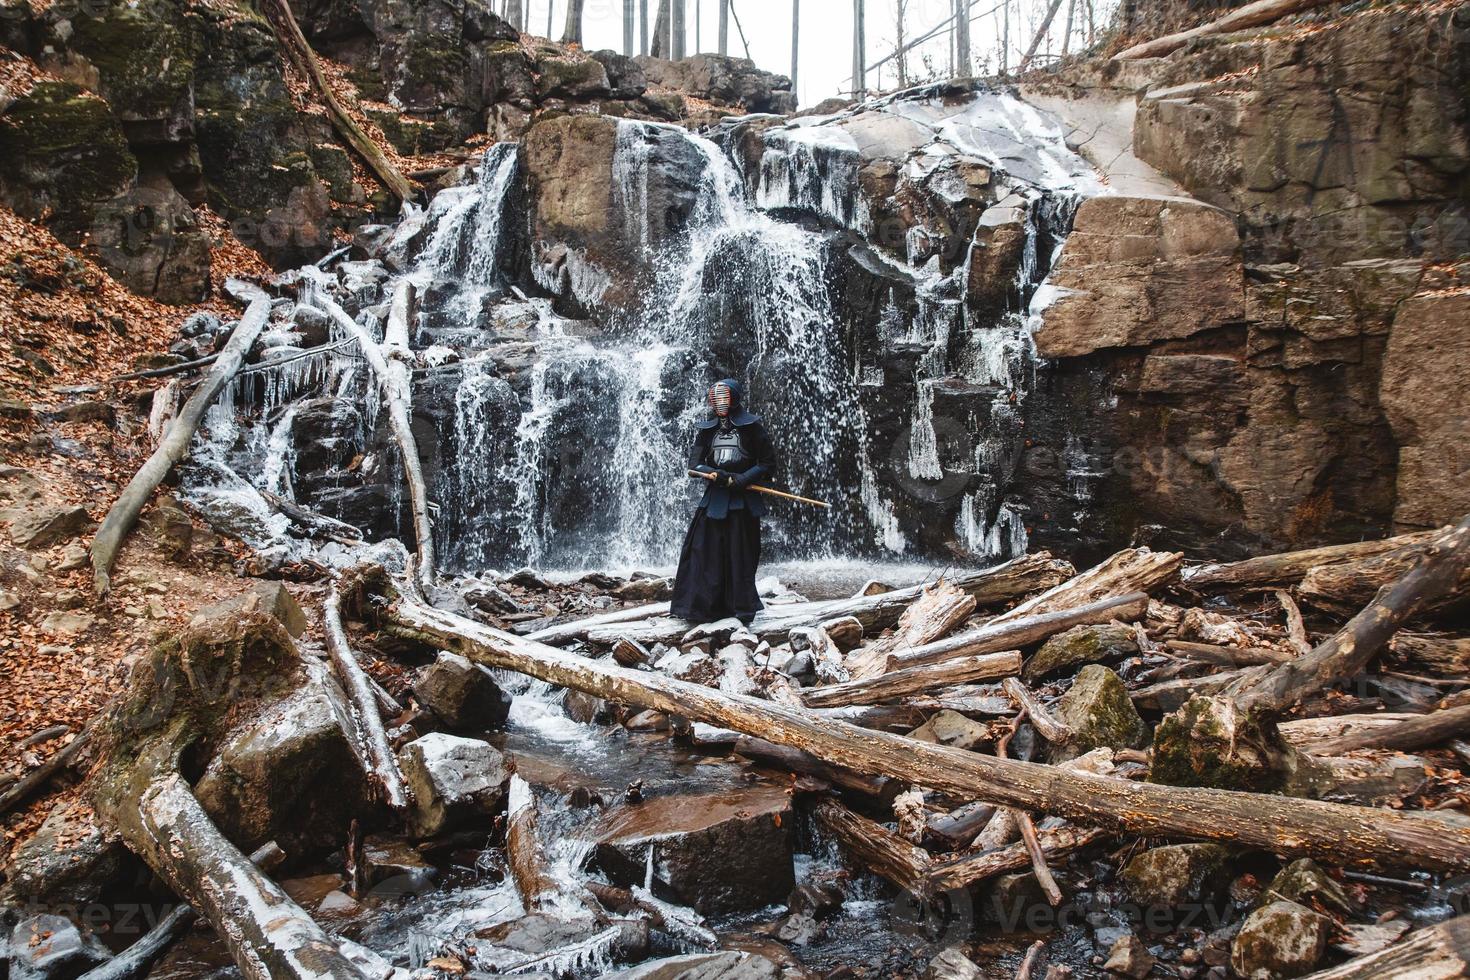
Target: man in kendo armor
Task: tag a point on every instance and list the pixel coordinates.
(717, 565)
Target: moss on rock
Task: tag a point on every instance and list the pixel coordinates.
(1100, 713)
(1210, 742)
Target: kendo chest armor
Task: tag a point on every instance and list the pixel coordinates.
(727, 451)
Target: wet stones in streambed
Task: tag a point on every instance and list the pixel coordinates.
(70, 860)
(953, 729)
(462, 695)
(51, 947)
(727, 964)
(544, 943)
(1280, 940)
(1303, 881)
(718, 853)
(452, 779)
(1174, 875)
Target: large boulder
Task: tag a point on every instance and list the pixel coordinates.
(1100, 713)
(1211, 742)
(462, 695)
(1139, 269)
(43, 525)
(452, 779)
(69, 861)
(290, 776)
(1281, 940)
(718, 853)
(151, 242)
(1429, 354)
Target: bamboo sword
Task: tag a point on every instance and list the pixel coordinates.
(767, 490)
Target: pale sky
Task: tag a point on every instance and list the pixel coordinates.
(826, 34)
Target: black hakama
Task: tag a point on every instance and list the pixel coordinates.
(716, 578)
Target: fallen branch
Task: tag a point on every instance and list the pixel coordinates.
(369, 737)
(166, 370)
(1129, 571)
(386, 360)
(1340, 834)
(578, 628)
(313, 522)
(1251, 15)
(1054, 843)
(796, 761)
(1296, 630)
(877, 848)
(914, 680)
(1018, 633)
(1046, 724)
(1214, 653)
(123, 513)
(42, 774)
(1274, 689)
(938, 609)
(538, 887)
(304, 60)
(1438, 951)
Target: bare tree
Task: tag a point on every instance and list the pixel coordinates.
(643, 26)
(1067, 33)
(859, 52)
(1005, 37)
(962, 38)
(724, 26)
(900, 49)
(628, 27)
(573, 32)
(677, 29)
(550, 5)
(661, 37)
(796, 38)
(515, 13)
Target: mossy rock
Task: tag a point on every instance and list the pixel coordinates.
(1282, 939)
(1101, 714)
(61, 153)
(1177, 874)
(334, 166)
(1303, 881)
(1080, 645)
(1210, 743)
(144, 54)
(571, 79)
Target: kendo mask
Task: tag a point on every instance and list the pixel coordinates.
(721, 399)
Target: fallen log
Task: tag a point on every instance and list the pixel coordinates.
(539, 889)
(939, 609)
(796, 761)
(43, 774)
(989, 587)
(1352, 583)
(914, 680)
(1289, 567)
(1251, 15)
(166, 370)
(1427, 954)
(577, 628)
(138, 957)
(1345, 653)
(370, 739)
(1304, 732)
(303, 59)
(314, 523)
(962, 872)
(387, 363)
(961, 824)
(1419, 732)
(1339, 834)
(1214, 653)
(1019, 633)
(876, 848)
(174, 445)
(1434, 654)
(1131, 570)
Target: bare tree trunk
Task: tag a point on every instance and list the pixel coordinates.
(1067, 32)
(962, 38)
(388, 362)
(284, 21)
(1005, 37)
(661, 31)
(1251, 15)
(628, 19)
(1131, 570)
(573, 32)
(1339, 834)
(724, 27)
(900, 49)
(1051, 13)
(174, 446)
(515, 13)
(795, 44)
(370, 739)
(678, 29)
(859, 52)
